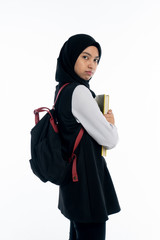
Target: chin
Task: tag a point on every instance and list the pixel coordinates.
(87, 78)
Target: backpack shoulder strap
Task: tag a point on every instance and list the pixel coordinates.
(58, 94)
(45, 109)
(74, 157)
(77, 141)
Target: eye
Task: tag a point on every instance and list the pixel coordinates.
(96, 60)
(85, 57)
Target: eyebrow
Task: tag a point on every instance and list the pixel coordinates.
(89, 54)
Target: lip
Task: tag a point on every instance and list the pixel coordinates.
(89, 73)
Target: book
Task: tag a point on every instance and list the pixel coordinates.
(103, 103)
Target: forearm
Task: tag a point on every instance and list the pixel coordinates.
(86, 111)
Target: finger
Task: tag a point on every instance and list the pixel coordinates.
(109, 115)
(109, 111)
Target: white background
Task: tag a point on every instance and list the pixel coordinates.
(32, 33)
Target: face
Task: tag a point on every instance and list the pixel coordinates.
(87, 62)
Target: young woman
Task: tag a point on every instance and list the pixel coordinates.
(87, 202)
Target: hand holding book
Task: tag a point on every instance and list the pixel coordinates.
(110, 117)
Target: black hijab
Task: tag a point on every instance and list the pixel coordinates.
(69, 53)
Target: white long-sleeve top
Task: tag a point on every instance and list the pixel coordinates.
(86, 111)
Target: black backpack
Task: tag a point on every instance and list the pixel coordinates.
(46, 160)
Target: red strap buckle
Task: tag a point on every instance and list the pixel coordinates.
(74, 167)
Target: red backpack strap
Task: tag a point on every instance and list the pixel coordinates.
(77, 141)
(44, 109)
(59, 93)
(74, 157)
(37, 111)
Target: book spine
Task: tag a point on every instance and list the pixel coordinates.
(103, 149)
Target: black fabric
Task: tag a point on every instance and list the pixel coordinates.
(45, 146)
(47, 162)
(93, 198)
(86, 231)
(69, 53)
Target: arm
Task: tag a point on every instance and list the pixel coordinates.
(86, 111)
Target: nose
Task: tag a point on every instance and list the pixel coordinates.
(91, 64)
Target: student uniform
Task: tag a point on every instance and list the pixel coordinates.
(88, 202)
(93, 197)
